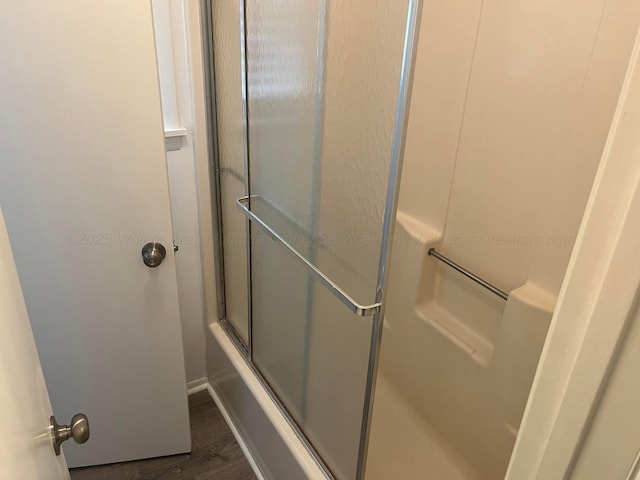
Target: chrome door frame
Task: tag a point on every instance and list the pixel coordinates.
(391, 205)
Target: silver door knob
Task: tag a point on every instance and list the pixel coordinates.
(78, 430)
(153, 253)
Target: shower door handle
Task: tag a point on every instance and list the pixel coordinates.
(330, 285)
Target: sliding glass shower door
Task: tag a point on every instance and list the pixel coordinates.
(325, 89)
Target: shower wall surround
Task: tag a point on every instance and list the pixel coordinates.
(511, 108)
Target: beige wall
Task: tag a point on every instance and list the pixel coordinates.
(511, 106)
(512, 103)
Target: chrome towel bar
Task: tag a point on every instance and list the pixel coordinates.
(468, 274)
(355, 307)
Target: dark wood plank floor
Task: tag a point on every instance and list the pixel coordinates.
(215, 454)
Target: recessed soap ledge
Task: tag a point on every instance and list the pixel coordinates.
(476, 354)
(417, 230)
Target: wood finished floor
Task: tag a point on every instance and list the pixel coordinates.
(215, 454)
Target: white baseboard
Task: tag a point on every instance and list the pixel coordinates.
(234, 430)
(198, 385)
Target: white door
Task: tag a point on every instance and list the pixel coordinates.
(83, 186)
(26, 451)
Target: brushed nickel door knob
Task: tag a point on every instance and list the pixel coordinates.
(153, 254)
(78, 430)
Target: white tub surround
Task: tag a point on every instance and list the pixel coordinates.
(268, 440)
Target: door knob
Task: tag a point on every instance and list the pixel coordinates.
(153, 253)
(78, 430)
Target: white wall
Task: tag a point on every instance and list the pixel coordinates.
(597, 303)
(614, 435)
(185, 226)
(179, 98)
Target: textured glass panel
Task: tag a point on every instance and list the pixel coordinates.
(282, 44)
(313, 352)
(323, 79)
(227, 21)
(363, 60)
(323, 83)
(279, 301)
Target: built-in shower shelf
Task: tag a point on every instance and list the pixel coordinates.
(420, 232)
(474, 345)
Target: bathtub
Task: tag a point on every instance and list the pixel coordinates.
(452, 383)
(456, 366)
(273, 448)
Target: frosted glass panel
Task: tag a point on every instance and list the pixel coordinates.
(313, 352)
(282, 41)
(227, 31)
(323, 81)
(362, 70)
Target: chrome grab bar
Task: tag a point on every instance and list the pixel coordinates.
(355, 307)
(495, 290)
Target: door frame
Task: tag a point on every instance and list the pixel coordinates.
(595, 305)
